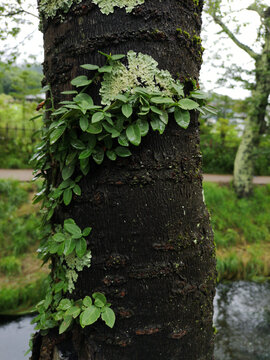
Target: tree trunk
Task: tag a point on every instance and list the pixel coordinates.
(256, 122)
(152, 245)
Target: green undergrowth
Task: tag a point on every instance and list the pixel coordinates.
(19, 300)
(19, 221)
(241, 227)
(242, 231)
(22, 280)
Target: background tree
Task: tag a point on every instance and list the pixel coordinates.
(14, 14)
(256, 120)
(152, 246)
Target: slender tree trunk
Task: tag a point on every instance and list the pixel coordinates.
(256, 123)
(152, 245)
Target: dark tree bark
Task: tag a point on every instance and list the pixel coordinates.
(152, 245)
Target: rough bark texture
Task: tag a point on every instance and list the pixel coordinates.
(152, 246)
(256, 123)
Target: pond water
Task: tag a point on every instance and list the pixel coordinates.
(242, 320)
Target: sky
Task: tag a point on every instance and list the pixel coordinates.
(219, 49)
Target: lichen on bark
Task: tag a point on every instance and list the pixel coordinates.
(142, 71)
(107, 6)
(49, 8)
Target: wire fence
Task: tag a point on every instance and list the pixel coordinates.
(8, 133)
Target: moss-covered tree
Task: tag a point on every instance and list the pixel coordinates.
(152, 246)
(255, 125)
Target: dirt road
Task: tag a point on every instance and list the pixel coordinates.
(26, 175)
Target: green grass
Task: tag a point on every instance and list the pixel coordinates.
(19, 227)
(22, 280)
(242, 231)
(21, 299)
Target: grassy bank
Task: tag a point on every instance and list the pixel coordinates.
(241, 227)
(22, 280)
(242, 232)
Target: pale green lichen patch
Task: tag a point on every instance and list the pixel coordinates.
(49, 8)
(107, 6)
(141, 71)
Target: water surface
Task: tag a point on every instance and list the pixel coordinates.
(242, 318)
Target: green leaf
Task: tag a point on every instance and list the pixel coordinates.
(71, 156)
(111, 129)
(67, 196)
(47, 301)
(59, 286)
(198, 95)
(69, 246)
(56, 134)
(122, 151)
(87, 301)
(65, 324)
(77, 144)
(64, 184)
(81, 247)
(77, 190)
(61, 248)
(161, 100)
(98, 155)
(188, 104)
(67, 171)
(73, 229)
(100, 299)
(59, 237)
(179, 89)
(182, 117)
(87, 231)
(98, 116)
(122, 98)
(84, 123)
(105, 69)
(89, 67)
(84, 100)
(84, 166)
(69, 92)
(108, 316)
(158, 125)
(80, 81)
(94, 128)
(164, 117)
(89, 316)
(74, 311)
(156, 110)
(122, 140)
(111, 155)
(91, 141)
(117, 57)
(134, 134)
(127, 110)
(85, 154)
(143, 125)
(64, 304)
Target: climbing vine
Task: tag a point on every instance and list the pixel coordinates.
(135, 98)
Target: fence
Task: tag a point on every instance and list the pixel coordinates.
(17, 146)
(8, 133)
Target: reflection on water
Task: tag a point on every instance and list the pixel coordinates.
(14, 337)
(242, 318)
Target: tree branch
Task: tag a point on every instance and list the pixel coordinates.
(242, 46)
(258, 9)
(13, 13)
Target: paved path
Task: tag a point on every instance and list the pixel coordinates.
(26, 175)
